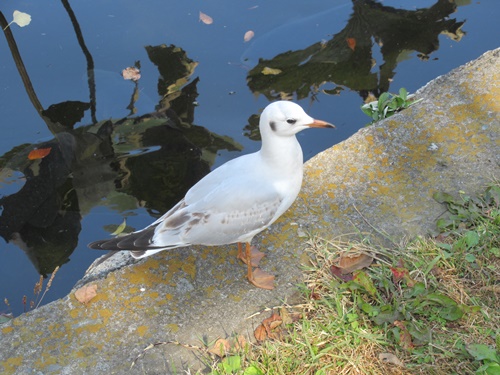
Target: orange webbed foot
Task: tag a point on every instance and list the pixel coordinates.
(262, 279)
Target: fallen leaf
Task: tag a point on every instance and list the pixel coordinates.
(404, 336)
(270, 71)
(337, 272)
(220, 348)
(22, 19)
(351, 42)
(390, 358)
(120, 228)
(240, 343)
(285, 316)
(260, 333)
(272, 322)
(131, 73)
(206, 19)
(248, 35)
(86, 293)
(39, 153)
(349, 264)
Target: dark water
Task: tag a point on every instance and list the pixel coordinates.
(118, 149)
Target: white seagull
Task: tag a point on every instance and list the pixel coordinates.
(235, 201)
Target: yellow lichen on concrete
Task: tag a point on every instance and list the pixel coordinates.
(11, 364)
(7, 330)
(142, 330)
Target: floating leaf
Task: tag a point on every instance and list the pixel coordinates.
(39, 153)
(86, 293)
(206, 19)
(248, 35)
(22, 19)
(270, 71)
(351, 42)
(120, 228)
(131, 73)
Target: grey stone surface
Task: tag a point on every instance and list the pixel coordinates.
(383, 177)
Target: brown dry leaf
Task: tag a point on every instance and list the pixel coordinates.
(285, 316)
(349, 264)
(220, 348)
(272, 322)
(260, 333)
(206, 19)
(337, 272)
(131, 73)
(390, 358)
(39, 153)
(248, 35)
(86, 293)
(240, 342)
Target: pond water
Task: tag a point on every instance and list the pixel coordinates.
(111, 149)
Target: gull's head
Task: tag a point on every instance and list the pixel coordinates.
(286, 119)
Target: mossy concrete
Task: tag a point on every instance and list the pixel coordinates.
(381, 180)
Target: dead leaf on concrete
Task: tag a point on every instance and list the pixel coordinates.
(86, 293)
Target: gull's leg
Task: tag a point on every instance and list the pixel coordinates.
(257, 277)
(255, 255)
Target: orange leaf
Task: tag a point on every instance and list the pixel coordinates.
(86, 293)
(248, 35)
(206, 19)
(351, 42)
(260, 333)
(39, 153)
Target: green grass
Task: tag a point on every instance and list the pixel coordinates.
(430, 307)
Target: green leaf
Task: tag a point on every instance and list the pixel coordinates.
(493, 368)
(471, 258)
(441, 299)
(451, 313)
(231, 364)
(471, 239)
(443, 197)
(382, 101)
(252, 370)
(403, 93)
(366, 282)
(481, 352)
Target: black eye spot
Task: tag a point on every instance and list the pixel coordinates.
(291, 121)
(272, 124)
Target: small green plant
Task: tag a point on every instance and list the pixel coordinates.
(388, 104)
(489, 356)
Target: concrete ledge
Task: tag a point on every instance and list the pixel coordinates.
(384, 175)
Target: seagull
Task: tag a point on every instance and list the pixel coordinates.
(235, 201)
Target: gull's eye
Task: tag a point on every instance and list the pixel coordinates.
(291, 121)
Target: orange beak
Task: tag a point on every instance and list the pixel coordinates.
(320, 124)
